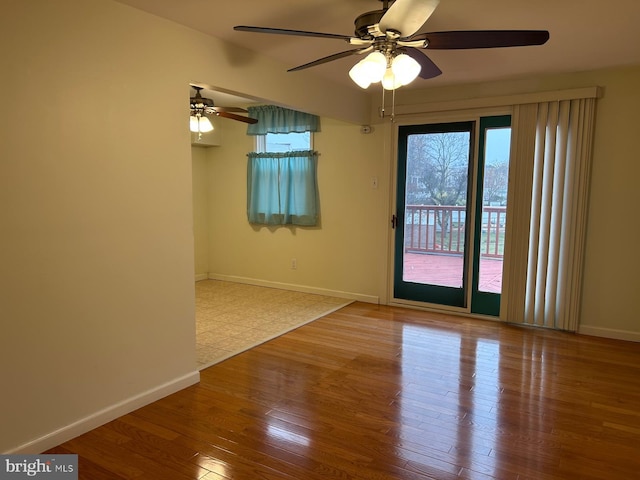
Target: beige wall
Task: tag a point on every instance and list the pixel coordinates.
(349, 252)
(96, 283)
(200, 162)
(97, 257)
(612, 263)
(342, 254)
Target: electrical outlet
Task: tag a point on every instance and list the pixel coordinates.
(294, 264)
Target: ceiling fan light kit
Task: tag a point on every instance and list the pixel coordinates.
(393, 72)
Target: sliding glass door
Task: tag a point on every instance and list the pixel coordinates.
(445, 253)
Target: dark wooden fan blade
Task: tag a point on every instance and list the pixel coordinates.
(230, 109)
(240, 118)
(429, 69)
(284, 31)
(330, 58)
(482, 39)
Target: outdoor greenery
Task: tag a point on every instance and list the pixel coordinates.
(496, 178)
(436, 191)
(437, 171)
(438, 164)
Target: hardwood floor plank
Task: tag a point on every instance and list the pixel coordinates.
(88, 470)
(375, 392)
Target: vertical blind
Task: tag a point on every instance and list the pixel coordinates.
(548, 193)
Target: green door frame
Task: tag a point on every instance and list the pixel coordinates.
(485, 303)
(442, 295)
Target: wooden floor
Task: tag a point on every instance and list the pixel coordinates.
(373, 392)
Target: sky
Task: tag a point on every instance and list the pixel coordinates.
(497, 145)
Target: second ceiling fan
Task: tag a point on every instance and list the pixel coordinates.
(395, 51)
(200, 107)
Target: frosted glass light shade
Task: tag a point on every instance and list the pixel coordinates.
(369, 70)
(405, 68)
(200, 124)
(390, 81)
(205, 125)
(358, 76)
(374, 65)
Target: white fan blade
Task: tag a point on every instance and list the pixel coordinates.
(360, 41)
(407, 16)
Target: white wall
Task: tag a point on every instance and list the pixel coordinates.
(97, 257)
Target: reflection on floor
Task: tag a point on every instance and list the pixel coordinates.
(233, 317)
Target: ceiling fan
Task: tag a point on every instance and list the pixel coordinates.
(395, 50)
(201, 106)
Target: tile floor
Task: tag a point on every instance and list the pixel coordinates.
(232, 317)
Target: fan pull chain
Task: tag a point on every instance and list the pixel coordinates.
(393, 105)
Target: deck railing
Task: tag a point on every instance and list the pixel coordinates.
(441, 229)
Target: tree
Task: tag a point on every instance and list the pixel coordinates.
(437, 168)
(496, 177)
(437, 171)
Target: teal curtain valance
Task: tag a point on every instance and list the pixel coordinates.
(274, 119)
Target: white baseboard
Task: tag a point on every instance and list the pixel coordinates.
(297, 288)
(201, 276)
(106, 415)
(609, 333)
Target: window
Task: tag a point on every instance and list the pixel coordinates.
(284, 142)
(281, 173)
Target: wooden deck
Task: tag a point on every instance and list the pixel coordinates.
(445, 270)
(385, 393)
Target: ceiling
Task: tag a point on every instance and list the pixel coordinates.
(584, 34)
